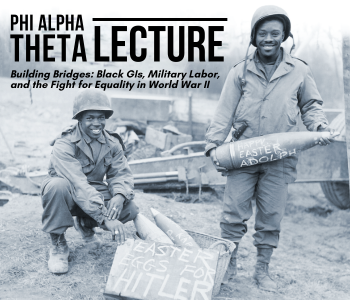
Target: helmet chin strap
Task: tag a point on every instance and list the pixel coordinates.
(293, 47)
(243, 80)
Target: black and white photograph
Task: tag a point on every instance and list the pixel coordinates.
(186, 150)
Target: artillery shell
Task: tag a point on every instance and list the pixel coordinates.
(266, 148)
(149, 231)
(179, 236)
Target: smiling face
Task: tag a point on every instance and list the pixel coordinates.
(269, 37)
(93, 122)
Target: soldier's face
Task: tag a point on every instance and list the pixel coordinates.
(269, 37)
(93, 122)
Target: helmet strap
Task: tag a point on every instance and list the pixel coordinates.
(293, 47)
(243, 80)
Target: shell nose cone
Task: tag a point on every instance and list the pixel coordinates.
(335, 133)
(154, 212)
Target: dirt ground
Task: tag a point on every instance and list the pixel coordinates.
(311, 262)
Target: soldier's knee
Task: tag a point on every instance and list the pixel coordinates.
(56, 185)
(56, 191)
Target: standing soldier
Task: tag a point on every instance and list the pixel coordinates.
(266, 91)
(81, 157)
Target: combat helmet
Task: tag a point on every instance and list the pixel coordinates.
(92, 99)
(267, 11)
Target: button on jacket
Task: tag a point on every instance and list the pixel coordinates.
(72, 159)
(267, 106)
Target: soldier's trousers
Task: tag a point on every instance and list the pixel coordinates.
(59, 206)
(267, 183)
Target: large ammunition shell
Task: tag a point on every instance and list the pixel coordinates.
(179, 236)
(149, 231)
(266, 148)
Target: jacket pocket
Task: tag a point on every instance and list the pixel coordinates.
(108, 161)
(292, 112)
(86, 165)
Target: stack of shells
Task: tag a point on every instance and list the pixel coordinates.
(165, 231)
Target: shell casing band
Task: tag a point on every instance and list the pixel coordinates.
(232, 152)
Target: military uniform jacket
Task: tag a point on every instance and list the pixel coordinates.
(267, 107)
(72, 159)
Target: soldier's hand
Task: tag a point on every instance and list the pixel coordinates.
(215, 162)
(326, 140)
(115, 207)
(117, 229)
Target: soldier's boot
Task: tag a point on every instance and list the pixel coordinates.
(261, 274)
(232, 266)
(59, 252)
(85, 227)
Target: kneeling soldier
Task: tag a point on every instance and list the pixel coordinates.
(82, 155)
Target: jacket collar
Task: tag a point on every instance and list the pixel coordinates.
(284, 67)
(78, 134)
(82, 142)
(108, 137)
(88, 139)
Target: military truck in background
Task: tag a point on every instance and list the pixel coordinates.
(329, 166)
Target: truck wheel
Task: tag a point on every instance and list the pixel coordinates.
(337, 193)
